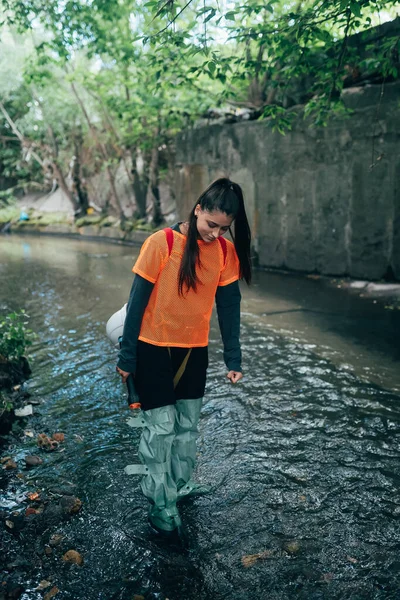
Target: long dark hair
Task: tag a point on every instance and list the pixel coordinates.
(227, 197)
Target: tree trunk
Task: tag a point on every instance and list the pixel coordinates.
(115, 203)
(78, 188)
(59, 176)
(140, 184)
(119, 149)
(156, 217)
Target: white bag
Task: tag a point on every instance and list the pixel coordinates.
(115, 326)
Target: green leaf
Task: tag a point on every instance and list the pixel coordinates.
(211, 66)
(204, 10)
(210, 16)
(230, 16)
(322, 35)
(355, 8)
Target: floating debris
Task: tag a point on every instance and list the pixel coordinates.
(43, 441)
(43, 585)
(54, 590)
(33, 496)
(251, 559)
(25, 411)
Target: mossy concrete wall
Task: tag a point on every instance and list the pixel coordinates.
(323, 200)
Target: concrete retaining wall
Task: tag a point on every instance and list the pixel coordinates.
(324, 200)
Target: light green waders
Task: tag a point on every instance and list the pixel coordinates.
(167, 450)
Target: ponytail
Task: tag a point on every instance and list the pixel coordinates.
(190, 259)
(227, 197)
(242, 237)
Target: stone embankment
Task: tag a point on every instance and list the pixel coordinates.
(62, 225)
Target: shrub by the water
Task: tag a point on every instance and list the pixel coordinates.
(5, 404)
(14, 336)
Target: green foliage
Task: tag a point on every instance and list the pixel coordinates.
(14, 335)
(9, 213)
(144, 227)
(6, 405)
(44, 219)
(279, 119)
(104, 80)
(6, 197)
(88, 220)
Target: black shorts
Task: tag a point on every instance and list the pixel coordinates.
(155, 371)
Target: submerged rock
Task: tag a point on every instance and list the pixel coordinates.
(56, 539)
(25, 411)
(13, 373)
(72, 556)
(33, 461)
(12, 590)
(15, 522)
(70, 505)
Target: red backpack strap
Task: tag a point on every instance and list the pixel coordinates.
(224, 248)
(170, 239)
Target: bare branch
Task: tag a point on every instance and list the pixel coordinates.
(171, 21)
(24, 143)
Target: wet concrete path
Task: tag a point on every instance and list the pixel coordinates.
(304, 455)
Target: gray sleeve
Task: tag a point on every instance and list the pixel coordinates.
(228, 310)
(138, 300)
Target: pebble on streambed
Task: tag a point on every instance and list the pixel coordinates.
(72, 556)
(33, 461)
(33, 519)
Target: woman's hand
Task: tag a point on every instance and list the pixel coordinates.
(124, 374)
(234, 376)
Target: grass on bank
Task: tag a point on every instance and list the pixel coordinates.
(9, 213)
(38, 220)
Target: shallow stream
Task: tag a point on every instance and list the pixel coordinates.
(304, 454)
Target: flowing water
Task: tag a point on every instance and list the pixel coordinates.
(303, 454)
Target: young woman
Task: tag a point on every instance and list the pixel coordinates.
(178, 276)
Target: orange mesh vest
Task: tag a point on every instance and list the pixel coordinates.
(171, 319)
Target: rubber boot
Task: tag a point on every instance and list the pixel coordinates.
(183, 457)
(155, 454)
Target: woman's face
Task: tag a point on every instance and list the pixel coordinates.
(210, 225)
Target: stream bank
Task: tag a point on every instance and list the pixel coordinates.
(13, 392)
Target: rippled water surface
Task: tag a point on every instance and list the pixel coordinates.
(304, 454)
